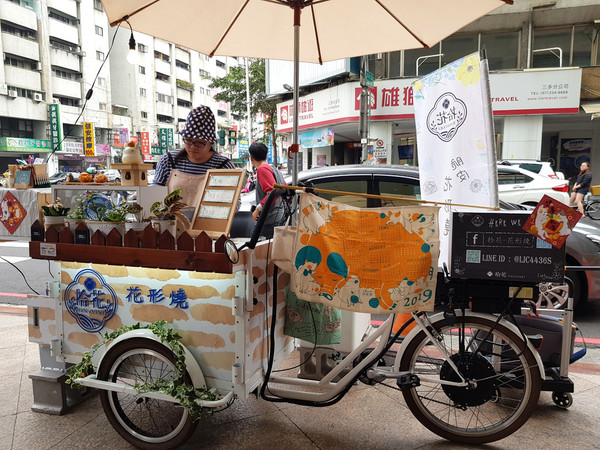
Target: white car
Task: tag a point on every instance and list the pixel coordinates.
(543, 168)
(113, 175)
(520, 186)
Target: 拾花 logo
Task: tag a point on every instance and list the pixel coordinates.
(90, 300)
(446, 116)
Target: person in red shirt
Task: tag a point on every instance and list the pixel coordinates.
(266, 177)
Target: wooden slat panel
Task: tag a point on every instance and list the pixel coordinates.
(66, 236)
(203, 243)
(114, 238)
(144, 257)
(166, 241)
(98, 238)
(131, 239)
(52, 234)
(185, 242)
(148, 238)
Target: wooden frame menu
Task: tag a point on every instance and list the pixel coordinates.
(218, 202)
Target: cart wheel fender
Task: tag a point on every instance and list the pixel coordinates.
(440, 316)
(191, 364)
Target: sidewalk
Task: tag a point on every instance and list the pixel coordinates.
(373, 418)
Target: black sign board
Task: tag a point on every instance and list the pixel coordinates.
(494, 246)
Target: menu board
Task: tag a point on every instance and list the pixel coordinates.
(218, 203)
(494, 246)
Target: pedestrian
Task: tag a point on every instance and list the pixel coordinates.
(186, 168)
(266, 177)
(582, 186)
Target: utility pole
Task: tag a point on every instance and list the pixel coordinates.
(248, 102)
(363, 123)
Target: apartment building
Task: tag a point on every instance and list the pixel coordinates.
(64, 67)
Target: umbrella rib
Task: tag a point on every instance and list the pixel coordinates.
(212, 53)
(133, 13)
(312, 10)
(402, 24)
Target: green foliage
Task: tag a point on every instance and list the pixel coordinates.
(135, 209)
(185, 85)
(55, 209)
(186, 395)
(169, 207)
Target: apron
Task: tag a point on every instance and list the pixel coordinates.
(191, 186)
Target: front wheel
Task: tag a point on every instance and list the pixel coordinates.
(504, 380)
(142, 421)
(592, 210)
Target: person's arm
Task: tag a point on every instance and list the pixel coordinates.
(162, 172)
(587, 181)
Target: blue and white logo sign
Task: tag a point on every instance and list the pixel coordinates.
(90, 300)
(446, 116)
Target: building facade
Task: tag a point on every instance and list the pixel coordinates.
(66, 72)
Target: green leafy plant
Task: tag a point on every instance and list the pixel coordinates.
(186, 395)
(116, 214)
(55, 209)
(169, 207)
(135, 209)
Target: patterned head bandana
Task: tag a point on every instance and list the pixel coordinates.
(200, 124)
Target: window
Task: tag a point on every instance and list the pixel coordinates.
(63, 45)
(220, 64)
(502, 49)
(10, 60)
(164, 98)
(16, 128)
(551, 38)
(162, 118)
(67, 75)
(101, 81)
(455, 47)
(67, 101)
(99, 56)
(98, 5)
(142, 70)
(583, 38)
(426, 65)
(184, 103)
(99, 31)
(144, 114)
(142, 92)
(221, 113)
(162, 77)
(142, 48)
(162, 56)
(397, 186)
(201, 90)
(356, 184)
(62, 18)
(102, 106)
(18, 31)
(204, 73)
(182, 65)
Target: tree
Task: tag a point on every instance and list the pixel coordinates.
(232, 89)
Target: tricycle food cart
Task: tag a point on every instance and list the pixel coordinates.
(469, 376)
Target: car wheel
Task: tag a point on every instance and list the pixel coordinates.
(117, 180)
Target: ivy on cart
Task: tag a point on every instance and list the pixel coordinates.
(186, 395)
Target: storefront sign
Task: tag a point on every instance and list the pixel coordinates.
(55, 126)
(145, 142)
(243, 146)
(72, 147)
(165, 141)
(514, 93)
(320, 137)
(9, 144)
(88, 139)
(123, 136)
(103, 150)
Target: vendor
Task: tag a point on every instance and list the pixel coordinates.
(186, 168)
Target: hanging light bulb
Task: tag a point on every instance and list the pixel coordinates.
(132, 55)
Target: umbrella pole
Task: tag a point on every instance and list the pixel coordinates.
(297, 11)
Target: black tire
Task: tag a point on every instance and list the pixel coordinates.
(507, 386)
(574, 281)
(144, 422)
(592, 210)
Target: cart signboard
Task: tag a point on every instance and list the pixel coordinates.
(494, 246)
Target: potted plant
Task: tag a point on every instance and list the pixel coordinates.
(135, 217)
(55, 214)
(102, 214)
(77, 214)
(165, 213)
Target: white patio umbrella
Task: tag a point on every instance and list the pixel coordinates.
(271, 29)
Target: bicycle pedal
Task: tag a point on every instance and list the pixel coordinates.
(408, 381)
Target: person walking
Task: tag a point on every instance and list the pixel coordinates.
(266, 177)
(582, 186)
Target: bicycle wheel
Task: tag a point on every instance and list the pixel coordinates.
(143, 421)
(504, 381)
(592, 210)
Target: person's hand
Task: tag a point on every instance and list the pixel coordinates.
(255, 214)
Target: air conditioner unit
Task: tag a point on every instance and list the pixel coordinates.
(38, 97)
(12, 93)
(55, 100)
(38, 66)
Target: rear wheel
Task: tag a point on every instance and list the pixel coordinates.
(504, 381)
(593, 210)
(143, 421)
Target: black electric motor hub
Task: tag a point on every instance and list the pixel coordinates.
(472, 367)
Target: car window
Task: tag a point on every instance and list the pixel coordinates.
(349, 184)
(531, 167)
(398, 187)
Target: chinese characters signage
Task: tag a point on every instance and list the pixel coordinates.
(55, 126)
(88, 139)
(145, 142)
(10, 144)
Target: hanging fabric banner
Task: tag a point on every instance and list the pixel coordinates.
(455, 139)
(375, 260)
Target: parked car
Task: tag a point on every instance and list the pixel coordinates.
(543, 168)
(113, 175)
(518, 185)
(60, 177)
(583, 246)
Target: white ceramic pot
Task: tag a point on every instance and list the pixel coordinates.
(105, 227)
(162, 225)
(58, 221)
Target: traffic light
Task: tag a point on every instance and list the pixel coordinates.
(232, 137)
(221, 140)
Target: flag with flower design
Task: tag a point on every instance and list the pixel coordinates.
(455, 137)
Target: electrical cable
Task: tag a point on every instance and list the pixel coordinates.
(88, 95)
(49, 271)
(22, 274)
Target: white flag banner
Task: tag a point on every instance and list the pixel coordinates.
(455, 139)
